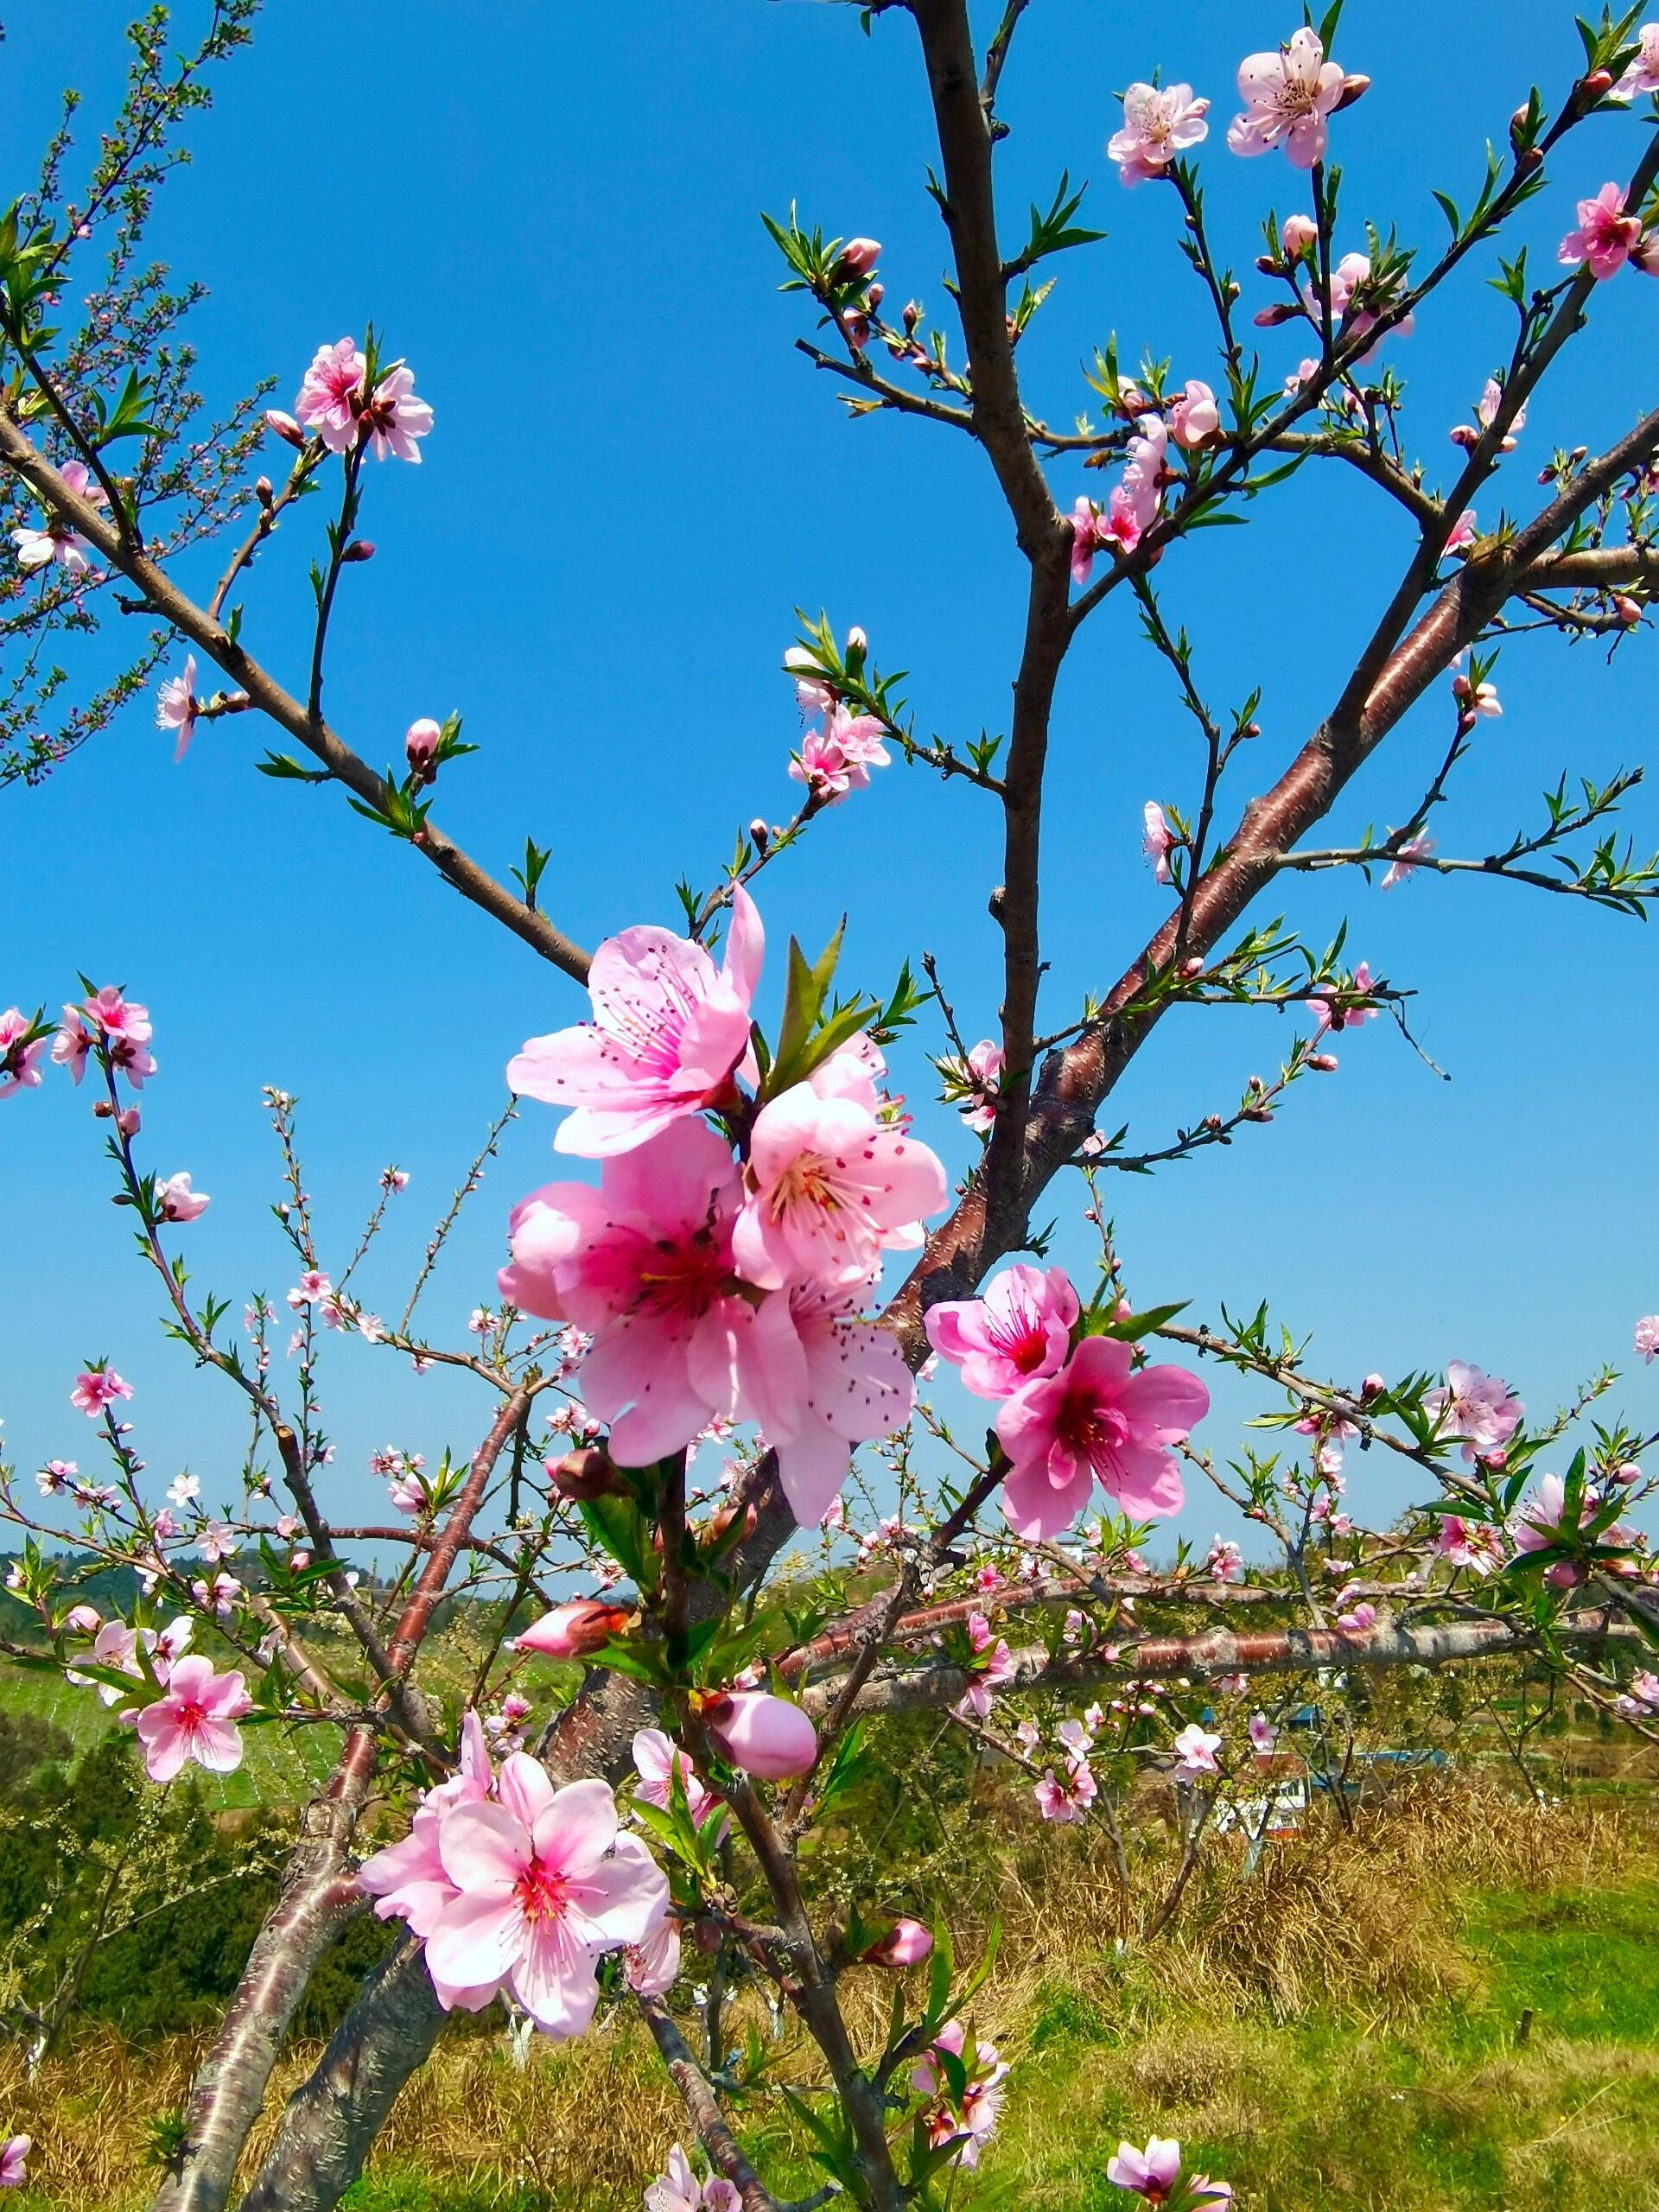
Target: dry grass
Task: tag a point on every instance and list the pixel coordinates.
(1300, 2020)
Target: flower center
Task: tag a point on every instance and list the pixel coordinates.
(1093, 1431)
(684, 1280)
(540, 1892)
(808, 1181)
(191, 1717)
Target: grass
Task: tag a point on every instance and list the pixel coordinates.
(1455, 2009)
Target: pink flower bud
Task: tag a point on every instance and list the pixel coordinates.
(284, 426)
(857, 258)
(569, 1631)
(358, 549)
(263, 491)
(1372, 1387)
(1354, 88)
(1270, 318)
(1599, 81)
(1565, 1574)
(874, 297)
(1324, 1062)
(421, 743)
(1297, 233)
(759, 836)
(1644, 254)
(1627, 610)
(906, 1943)
(586, 1472)
(127, 1121)
(762, 1734)
(912, 315)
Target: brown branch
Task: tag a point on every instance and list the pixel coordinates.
(706, 2118)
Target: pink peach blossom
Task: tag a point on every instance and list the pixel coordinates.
(984, 1065)
(96, 1388)
(764, 1735)
(830, 1188)
(1474, 1544)
(1194, 418)
(1019, 1330)
(969, 2123)
(1067, 1800)
(1328, 1016)
(1476, 1408)
(394, 417)
(122, 1024)
(1604, 235)
(1097, 1420)
(654, 1967)
(1643, 74)
(13, 2153)
(35, 548)
(571, 1631)
(195, 1719)
(644, 1263)
(1143, 468)
(1195, 1749)
(545, 1884)
(1405, 861)
(1287, 96)
(330, 393)
(1647, 1336)
(1152, 2173)
(817, 1380)
(20, 1063)
(668, 1031)
(178, 1202)
(1158, 842)
(655, 1759)
(678, 2189)
(176, 706)
(1158, 124)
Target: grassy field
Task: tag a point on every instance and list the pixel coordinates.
(1457, 2006)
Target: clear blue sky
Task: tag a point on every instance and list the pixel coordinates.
(631, 481)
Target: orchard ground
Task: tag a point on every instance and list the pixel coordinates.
(1453, 2001)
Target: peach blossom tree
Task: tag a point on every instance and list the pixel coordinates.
(703, 1466)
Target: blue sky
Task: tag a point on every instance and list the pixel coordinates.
(633, 480)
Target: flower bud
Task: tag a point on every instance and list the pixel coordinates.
(420, 743)
(263, 490)
(1465, 435)
(759, 836)
(906, 1943)
(858, 332)
(1520, 125)
(1193, 965)
(1627, 610)
(720, 1522)
(1297, 233)
(856, 258)
(1592, 87)
(1565, 1574)
(284, 426)
(1527, 160)
(358, 549)
(1270, 318)
(585, 1473)
(1627, 1473)
(912, 315)
(570, 1631)
(1324, 1062)
(1266, 264)
(762, 1734)
(1354, 88)
(1372, 1387)
(874, 297)
(1644, 254)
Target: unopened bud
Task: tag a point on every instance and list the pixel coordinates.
(1465, 437)
(284, 426)
(127, 1121)
(1521, 127)
(1354, 88)
(1193, 965)
(719, 1524)
(874, 297)
(1592, 87)
(1324, 1062)
(1267, 263)
(263, 492)
(571, 1631)
(906, 1943)
(1270, 318)
(1527, 160)
(587, 1472)
(912, 315)
(856, 258)
(420, 743)
(759, 836)
(358, 549)
(1627, 610)
(1372, 1387)
(102, 1111)
(1212, 1123)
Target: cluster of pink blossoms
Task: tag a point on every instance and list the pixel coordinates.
(193, 1721)
(335, 404)
(516, 1888)
(1133, 505)
(1074, 1411)
(715, 1287)
(1606, 236)
(679, 2190)
(1289, 93)
(965, 2122)
(20, 1053)
(838, 755)
(1478, 1410)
